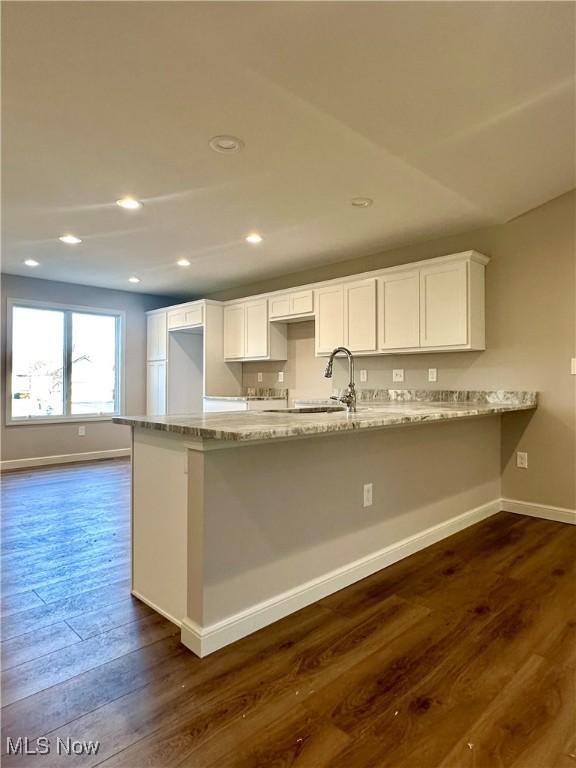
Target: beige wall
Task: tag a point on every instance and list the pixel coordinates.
(531, 327)
(29, 441)
(277, 515)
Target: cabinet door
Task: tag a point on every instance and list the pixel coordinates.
(234, 331)
(443, 305)
(256, 329)
(280, 306)
(194, 316)
(329, 330)
(360, 303)
(156, 337)
(399, 310)
(156, 389)
(301, 303)
(185, 318)
(176, 319)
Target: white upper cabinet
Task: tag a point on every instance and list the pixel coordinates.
(428, 306)
(234, 331)
(256, 329)
(248, 334)
(360, 315)
(444, 305)
(399, 310)
(329, 319)
(280, 306)
(298, 304)
(156, 336)
(186, 317)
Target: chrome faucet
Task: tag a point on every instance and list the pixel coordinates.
(349, 397)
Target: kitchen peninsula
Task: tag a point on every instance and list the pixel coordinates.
(242, 518)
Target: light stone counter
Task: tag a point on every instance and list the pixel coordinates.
(376, 410)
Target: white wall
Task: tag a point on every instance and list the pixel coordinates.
(278, 515)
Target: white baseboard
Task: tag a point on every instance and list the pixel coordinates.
(67, 458)
(156, 608)
(559, 514)
(205, 640)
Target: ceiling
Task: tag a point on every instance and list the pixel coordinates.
(451, 116)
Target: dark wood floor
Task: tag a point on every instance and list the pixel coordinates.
(462, 656)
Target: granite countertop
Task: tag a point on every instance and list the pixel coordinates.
(394, 408)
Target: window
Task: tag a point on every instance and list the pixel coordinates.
(65, 363)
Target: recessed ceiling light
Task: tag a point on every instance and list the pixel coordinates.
(129, 203)
(361, 202)
(183, 263)
(226, 144)
(254, 237)
(70, 239)
(32, 263)
(133, 279)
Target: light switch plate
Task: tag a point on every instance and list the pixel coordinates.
(398, 374)
(363, 375)
(280, 377)
(82, 431)
(260, 377)
(432, 374)
(573, 366)
(522, 459)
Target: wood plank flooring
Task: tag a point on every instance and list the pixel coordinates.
(461, 656)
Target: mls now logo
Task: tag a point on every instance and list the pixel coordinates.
(43, 746)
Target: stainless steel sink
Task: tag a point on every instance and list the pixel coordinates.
(307, 409)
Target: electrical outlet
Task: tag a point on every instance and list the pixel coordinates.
(280, 377)
(260, 378)
(82, 431)
(573, 366)
(363, 375)
(432, 374)
(398, 374)
(522, 459)
(368, 494)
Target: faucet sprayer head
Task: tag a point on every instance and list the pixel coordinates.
(328, 371)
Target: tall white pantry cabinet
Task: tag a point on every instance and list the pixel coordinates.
(156, 356)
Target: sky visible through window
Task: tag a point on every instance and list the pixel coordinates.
(39, 365)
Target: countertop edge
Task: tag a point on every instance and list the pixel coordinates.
(309, 429)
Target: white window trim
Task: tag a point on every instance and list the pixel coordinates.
(120, 353)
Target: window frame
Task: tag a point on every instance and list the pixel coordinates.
(68, 310)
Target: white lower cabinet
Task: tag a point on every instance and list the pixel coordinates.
(223, 404)
(156, 388)
(399, 310)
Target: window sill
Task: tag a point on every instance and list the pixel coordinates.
(58, 420)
